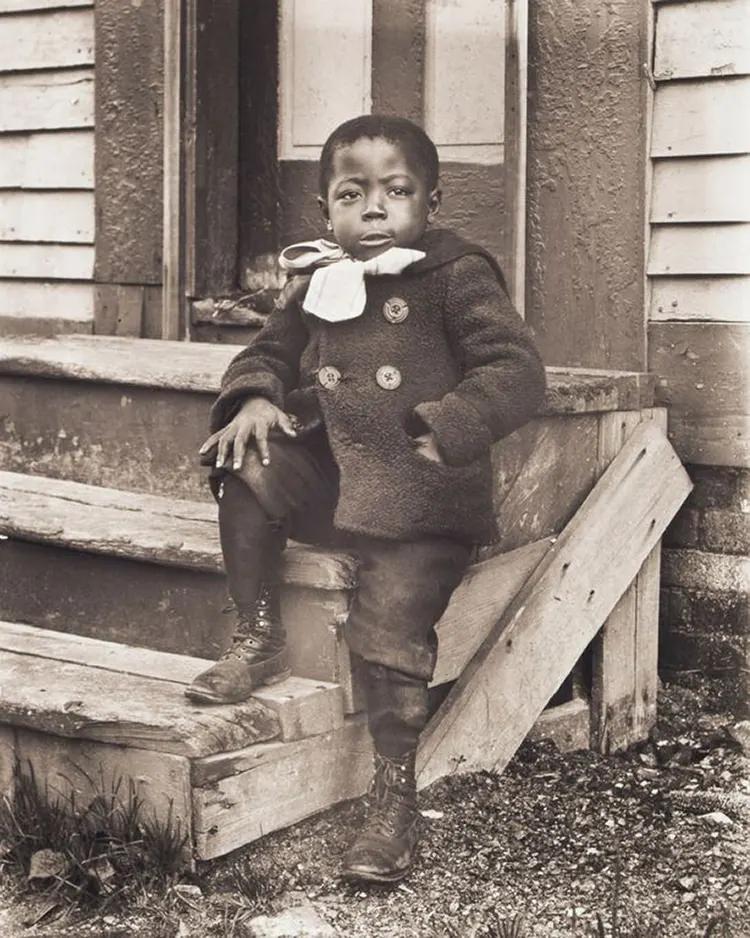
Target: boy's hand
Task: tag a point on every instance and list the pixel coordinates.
(427, 446)
(254, 420)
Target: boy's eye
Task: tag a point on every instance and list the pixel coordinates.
(348, 196)
(399, 190)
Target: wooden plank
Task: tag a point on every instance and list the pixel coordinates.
(56, 39)
(477, 604)
(21, 6)
(646, 688)
(239, 797)
(174, 311)
(724, 46)
(700, 249)
(85, 770)
(718, 299)
(703, 379)
(142, 527)
(59, 160)
(119, 308)
(506, 685)
(180, 365)
(211, 222)
(398, 49)
(7, 759)
(129, 170)
(699, 118)
(34, 299)
(47, 100)
(46, 262)
(701, 189)
(42, 326)
(542, 473)
(568, 725)
(303, 707)
(74, 700)
(47, 216)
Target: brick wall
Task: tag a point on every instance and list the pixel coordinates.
(705, 610)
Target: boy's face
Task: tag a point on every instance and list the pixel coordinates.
(376, 200)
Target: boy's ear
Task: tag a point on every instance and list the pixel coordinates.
(323, 206)
(434, 201)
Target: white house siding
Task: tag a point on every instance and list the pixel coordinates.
(46, 165)
(699, 323)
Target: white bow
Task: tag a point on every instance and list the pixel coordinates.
(337, 287)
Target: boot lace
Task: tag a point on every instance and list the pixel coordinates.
(389, 794)
(256, 626)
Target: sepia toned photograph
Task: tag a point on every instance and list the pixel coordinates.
(374, 468)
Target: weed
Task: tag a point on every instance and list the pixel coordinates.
(100, 849)
(508, 928)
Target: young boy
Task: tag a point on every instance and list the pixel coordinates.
(363, 415)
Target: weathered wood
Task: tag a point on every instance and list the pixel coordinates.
(721, 299)
(697, 118)
(398, 49)
(16, 325)
(705, 189)
(211, 146)
(129, 125)
(47, 100)
(47, 262)
(568, 725)
(542, 472)
(303, 707)
(514, 155)
(126, 309)
(47, 216)
(71, 302)
(478, 603)
(724, 46)
(505, 686)
(83, 770)
(703, 379)
(179, 365)
(56, 39)
(173, 310)
(241, 796)
(647, 640)
(700, 249)
(7, 759)
(60, 160)
(65, 699)
(142, 527)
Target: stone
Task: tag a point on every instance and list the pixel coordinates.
(301, 921)
(716, 819)
(740, 733)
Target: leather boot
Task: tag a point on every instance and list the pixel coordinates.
(256, 656)
(397, 709)
(384, 849)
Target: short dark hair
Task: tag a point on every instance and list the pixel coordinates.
(417, 146)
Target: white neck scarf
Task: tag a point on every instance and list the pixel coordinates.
(337, 287)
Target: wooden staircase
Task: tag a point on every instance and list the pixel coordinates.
(111, 593)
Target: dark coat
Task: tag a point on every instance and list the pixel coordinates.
(469, 372)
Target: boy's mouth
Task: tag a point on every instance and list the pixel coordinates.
(375, 238)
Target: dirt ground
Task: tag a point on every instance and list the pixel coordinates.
(555, 841)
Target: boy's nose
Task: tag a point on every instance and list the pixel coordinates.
(374, 208)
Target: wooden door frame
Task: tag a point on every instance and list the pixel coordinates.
(201, 153)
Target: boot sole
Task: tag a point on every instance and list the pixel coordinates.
(206, 695)
(371, 877)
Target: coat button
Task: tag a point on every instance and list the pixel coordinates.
(388, 377)
(395, 310)
(329, 377)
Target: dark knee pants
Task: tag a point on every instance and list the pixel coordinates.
(404, 586)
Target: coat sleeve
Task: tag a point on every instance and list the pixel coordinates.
(503, 380)
(268, 367)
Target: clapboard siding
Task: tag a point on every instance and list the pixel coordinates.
(67, 301)
(46, 165)
(66, 217)
(47, 261)
(700, 249)
(53, 160)
(701, 189)
(47, 100)
(47, 39)
(696, 299)
(702, 38)
(24, 6)
(701, 118)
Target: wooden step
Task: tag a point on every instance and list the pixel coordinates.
(144, 412)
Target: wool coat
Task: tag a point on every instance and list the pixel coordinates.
(438, 348)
